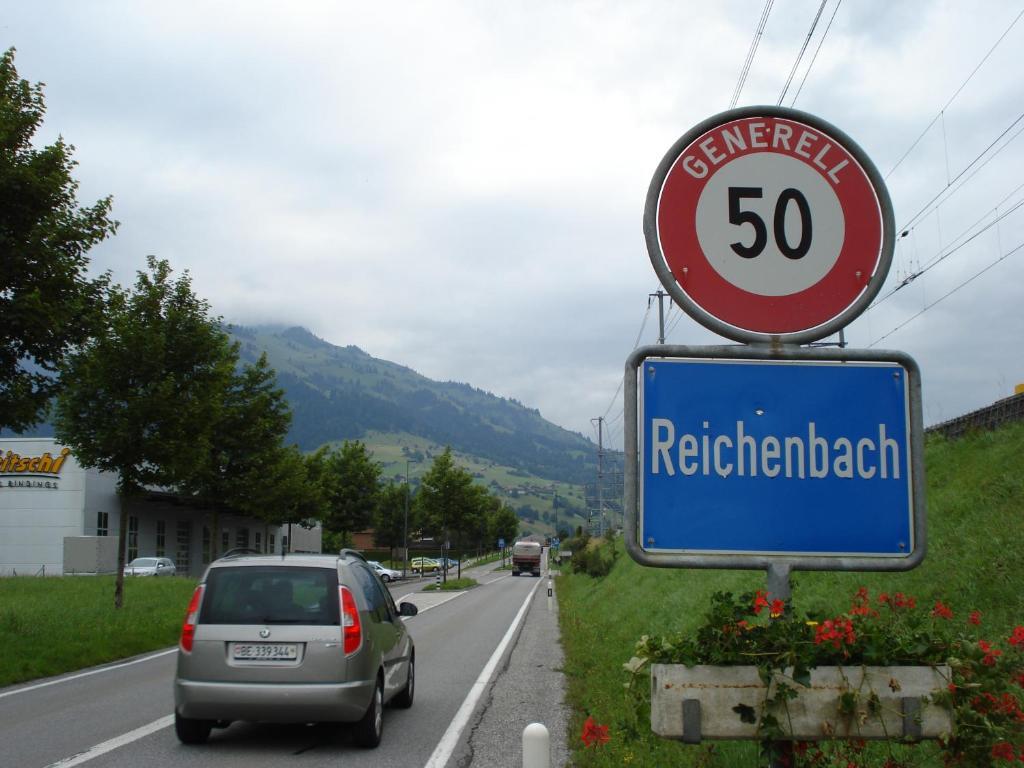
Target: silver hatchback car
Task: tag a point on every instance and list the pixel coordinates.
(292, 639)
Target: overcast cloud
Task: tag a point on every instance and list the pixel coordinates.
(459, 187)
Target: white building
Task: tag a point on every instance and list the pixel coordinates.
(57, 517)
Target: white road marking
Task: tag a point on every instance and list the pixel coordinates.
(445, 747)
(37, 686)
(114, 743)
(430, 599)
(504, 576)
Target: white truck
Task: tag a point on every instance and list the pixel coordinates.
(526, 558)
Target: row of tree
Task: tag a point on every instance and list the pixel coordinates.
(447, 504)
(144, 383)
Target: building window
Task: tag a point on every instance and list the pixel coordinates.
(102, 523)
(271, 544)
(161, 537)
(258, 541)
(242, 538)
(133, 537)
(207, 540)
(184, 556)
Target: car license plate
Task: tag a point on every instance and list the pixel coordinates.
(265, 651)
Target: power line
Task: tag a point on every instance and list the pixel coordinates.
(636, 343)
(750, 54)
(800, 55)
(945, 253)
(929, 205)
(817, 50)
(947, 295)
(957, 93)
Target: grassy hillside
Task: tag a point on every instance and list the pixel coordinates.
(339, 393)
(518, 488)
(975, 537)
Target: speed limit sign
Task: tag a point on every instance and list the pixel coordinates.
(769, 224)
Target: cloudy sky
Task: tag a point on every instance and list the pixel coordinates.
(459, 186)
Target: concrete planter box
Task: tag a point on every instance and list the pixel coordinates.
(695, 703)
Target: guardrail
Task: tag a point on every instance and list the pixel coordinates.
(990, 417)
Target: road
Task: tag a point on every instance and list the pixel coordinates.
(120, 715)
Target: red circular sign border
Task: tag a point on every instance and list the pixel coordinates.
(811, 313)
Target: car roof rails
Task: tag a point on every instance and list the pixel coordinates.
(239, 551)
(351, 553)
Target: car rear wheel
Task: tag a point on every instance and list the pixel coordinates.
(403, 699)
(368, 730)
(385, 578)
(191, 731)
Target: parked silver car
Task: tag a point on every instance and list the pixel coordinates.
(292, 639)
(150, 566)
(386, 574)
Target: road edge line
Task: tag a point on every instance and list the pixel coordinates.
(76, 676)
(446, 746)
(111, 744)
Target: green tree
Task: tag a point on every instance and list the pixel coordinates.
(47, 303)
(248, 469)
(351, 483)
(288, 493)
(504, 524)
(140, 399)
(389, 520)
(448, 502)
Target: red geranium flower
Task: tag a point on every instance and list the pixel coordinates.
(975, 618)
(942, 611)
(991, 654)
(1003, 750)
(760, 601)
(1017, 638)
(594, 733)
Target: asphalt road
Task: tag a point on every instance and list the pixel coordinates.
(120, 715)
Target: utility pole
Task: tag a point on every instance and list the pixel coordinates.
(661, 312)
(600, 471)
(554, 508)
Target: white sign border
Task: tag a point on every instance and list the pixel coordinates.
(761, 561)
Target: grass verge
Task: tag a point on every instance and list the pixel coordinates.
(451, 585)
(52, 625)
(975, 534)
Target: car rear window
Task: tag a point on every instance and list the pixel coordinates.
(277, 595)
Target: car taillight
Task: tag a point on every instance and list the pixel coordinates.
(352, 629)
(188, 627)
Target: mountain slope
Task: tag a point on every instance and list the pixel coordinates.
(338, 393)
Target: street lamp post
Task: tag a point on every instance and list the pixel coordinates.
(405, 531)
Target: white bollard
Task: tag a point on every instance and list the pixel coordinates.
(536, 746)
(550, 592)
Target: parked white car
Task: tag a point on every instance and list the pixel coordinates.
(150, 566)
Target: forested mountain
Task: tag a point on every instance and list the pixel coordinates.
(342, 393)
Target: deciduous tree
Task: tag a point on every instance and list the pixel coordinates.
(248, 469)
(47, 302)
(140, 399)
(351, 483)
(389, 520)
